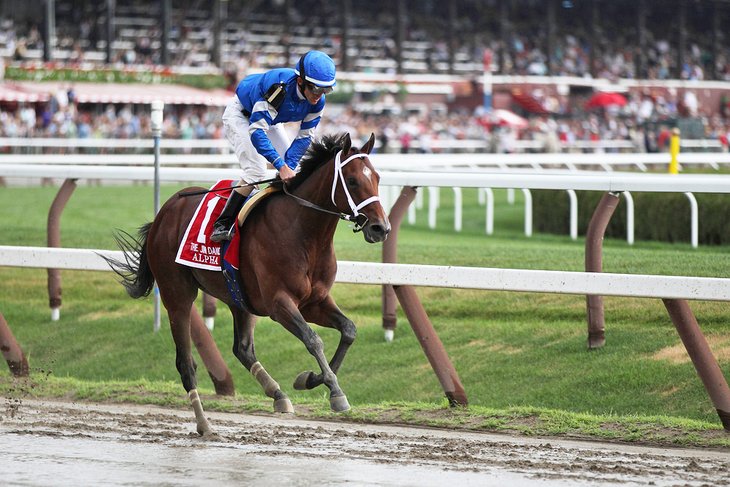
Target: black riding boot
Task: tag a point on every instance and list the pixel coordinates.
(223, 227)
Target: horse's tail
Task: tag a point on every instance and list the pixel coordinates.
(135, 271)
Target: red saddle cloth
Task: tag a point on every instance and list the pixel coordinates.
(196, 248)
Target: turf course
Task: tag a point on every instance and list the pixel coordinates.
(516, 353)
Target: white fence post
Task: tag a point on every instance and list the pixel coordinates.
(694, 219)
(629, 217)
(573, 214)
(528, 212)
(490, 210)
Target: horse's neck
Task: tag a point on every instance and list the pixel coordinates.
(317, 189)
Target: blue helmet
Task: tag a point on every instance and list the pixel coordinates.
(317, 68)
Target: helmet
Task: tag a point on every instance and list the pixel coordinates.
(317, 68)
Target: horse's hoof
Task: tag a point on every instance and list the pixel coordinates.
(300, 383)
(210, 435)
(283, 405)
(205, 431)
(339, 404)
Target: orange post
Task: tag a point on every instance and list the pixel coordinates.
(12, 352)
(212, 358)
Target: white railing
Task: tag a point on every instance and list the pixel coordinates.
(542, 281)
(400, 162)
(526, 180)
(542, 161)
(119, 159)
(594, 181)
(469, 146)
(216, 145)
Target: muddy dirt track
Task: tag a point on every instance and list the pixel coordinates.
(62, 443)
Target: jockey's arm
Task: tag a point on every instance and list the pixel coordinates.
(304, 137)
(260, 121)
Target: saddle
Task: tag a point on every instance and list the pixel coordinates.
(197, 250)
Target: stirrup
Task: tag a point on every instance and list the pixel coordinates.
(222, 232)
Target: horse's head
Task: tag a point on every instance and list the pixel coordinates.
(355, 190)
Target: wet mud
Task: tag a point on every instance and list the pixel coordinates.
(64, 443)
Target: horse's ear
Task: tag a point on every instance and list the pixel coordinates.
(346, 144)
(368, 147)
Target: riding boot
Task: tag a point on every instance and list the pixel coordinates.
(223, 227)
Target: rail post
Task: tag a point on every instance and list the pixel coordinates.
(209, 310)
(156, 126)
(412, 307)
(432, 346)
(12, 352)
(211, 356)
(699, 352)
(53, 239)
(390, 256)
(674, 151)
(594, 263)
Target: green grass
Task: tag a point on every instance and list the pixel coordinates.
(518, 355)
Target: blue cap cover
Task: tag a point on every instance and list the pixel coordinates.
(317, 68)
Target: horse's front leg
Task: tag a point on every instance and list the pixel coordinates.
(287, 313)
(327, 314)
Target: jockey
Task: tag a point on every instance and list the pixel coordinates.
(253, 124)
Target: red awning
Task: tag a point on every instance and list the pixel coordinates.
(17, 93)
(135, 93)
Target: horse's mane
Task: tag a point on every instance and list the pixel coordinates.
(319, 152)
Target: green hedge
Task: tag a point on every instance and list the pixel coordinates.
(657, 216)
(110, 75)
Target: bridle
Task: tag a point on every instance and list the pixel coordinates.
(359, 219)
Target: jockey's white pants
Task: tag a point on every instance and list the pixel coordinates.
(235, 128)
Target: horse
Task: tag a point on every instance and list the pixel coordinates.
(287, 267)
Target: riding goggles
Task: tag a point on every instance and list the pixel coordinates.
(319, 90)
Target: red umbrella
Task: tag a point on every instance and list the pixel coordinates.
(604, 99)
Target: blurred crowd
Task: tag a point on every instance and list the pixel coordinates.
(644, 122)
(608, 52)
(255, 36)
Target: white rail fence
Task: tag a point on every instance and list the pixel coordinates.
(39, 144)
(618, 182)
(402, 162)
(540, 281)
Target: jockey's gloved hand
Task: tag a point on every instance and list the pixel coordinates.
(286, 173)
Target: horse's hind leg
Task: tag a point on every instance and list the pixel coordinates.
(327, 314)
(178, 310)
(243, 348)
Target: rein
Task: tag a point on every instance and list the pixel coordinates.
(359, 219)
(206, 191)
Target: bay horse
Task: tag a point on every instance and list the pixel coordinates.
(287, 266)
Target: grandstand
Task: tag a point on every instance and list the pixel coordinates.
(412, 69)
(647, 39)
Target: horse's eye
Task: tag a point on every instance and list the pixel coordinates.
(351, 182)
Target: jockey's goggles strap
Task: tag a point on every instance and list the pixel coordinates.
(339, 176)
